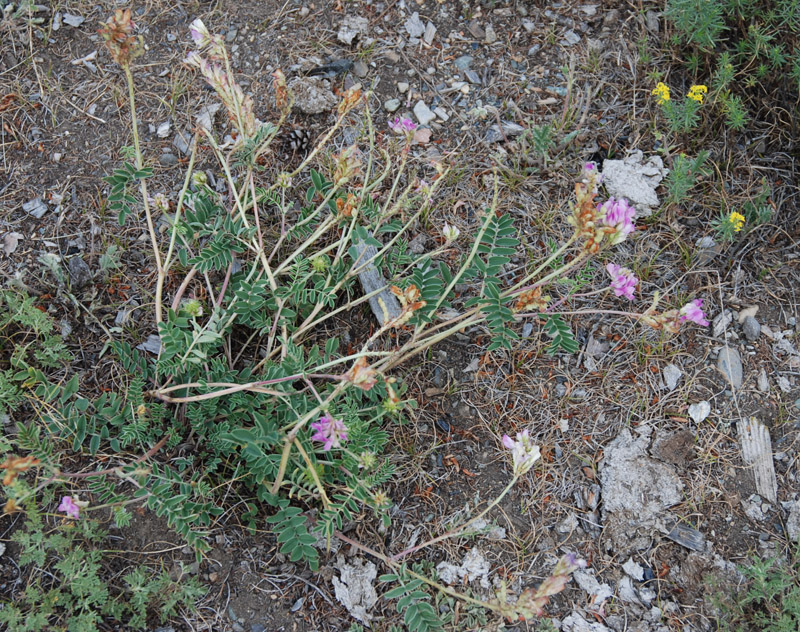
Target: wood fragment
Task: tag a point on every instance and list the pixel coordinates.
(384, 305)
(757, 453)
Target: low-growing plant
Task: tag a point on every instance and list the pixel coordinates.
(768, 602)
(69, 588)
(268, 396)
(754, 46)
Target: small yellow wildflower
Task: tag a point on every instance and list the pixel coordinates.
(662, 92)
(736, 220)
(697, 93)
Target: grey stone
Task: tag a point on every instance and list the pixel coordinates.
(355, 590)
(80, 275)
(423, 113)
(231, 35)
(168, 160)
(391, 105)
(494, 135)
(442, 113)
(35, 207)
(360, 69)
(163, 129)
(763, 381)
(463, 62)
(475, 567)
(576, 623)
(793, 522)
(528, 26)
(152, 344)
(699, 411)
(351, 28)
(671, 375)
(472, 77)
(721, 322)
(402, 87)
(417, 245)
(182, 142)
(312, 95)
(636, 180)
(730, 365)
(527, 330)
(430, 32)
(751, 328)
(73, 20)
(571, 38)
(636, 491)
(491, 36)
(651, 19)
(476, 30)
(10, 243)
(414, 26)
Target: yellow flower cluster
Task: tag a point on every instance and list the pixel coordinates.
(697, 93)
(662, 92)
(736, 220)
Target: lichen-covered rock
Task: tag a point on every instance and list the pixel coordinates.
(312, 95)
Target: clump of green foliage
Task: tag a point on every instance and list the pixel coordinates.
(69, 588)
(770, 601)
(745, 50)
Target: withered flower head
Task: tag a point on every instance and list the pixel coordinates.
(350, 99)
(118, 35)
(531, 301)
(362, 375)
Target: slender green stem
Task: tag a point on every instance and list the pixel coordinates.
(143, 188)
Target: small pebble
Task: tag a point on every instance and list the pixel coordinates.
(763, 381)
(463, 62)
(730, 364)
(423, 113)
(391, 105)
(751, 328)
(402, 87)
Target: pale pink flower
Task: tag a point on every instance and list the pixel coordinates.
(623, 281)
(402, 125)
(329, 430)
(450, 233)
(691, 311)
(69, 507)
(618, 214)
(199, 33)
(523, 453)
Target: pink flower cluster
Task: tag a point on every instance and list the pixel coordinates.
(523, 453)
(69, 507)
(691, 311)
(329, 430)
(623, 281)
(402, 125)
(619, 215)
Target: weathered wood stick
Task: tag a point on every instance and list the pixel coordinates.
(372, 279)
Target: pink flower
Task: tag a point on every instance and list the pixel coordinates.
(402, 125)
(69, 507)
(618, 214)
(691, 311)
(199, 33)
(332, 431)
(623, 281)
(523, 453)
